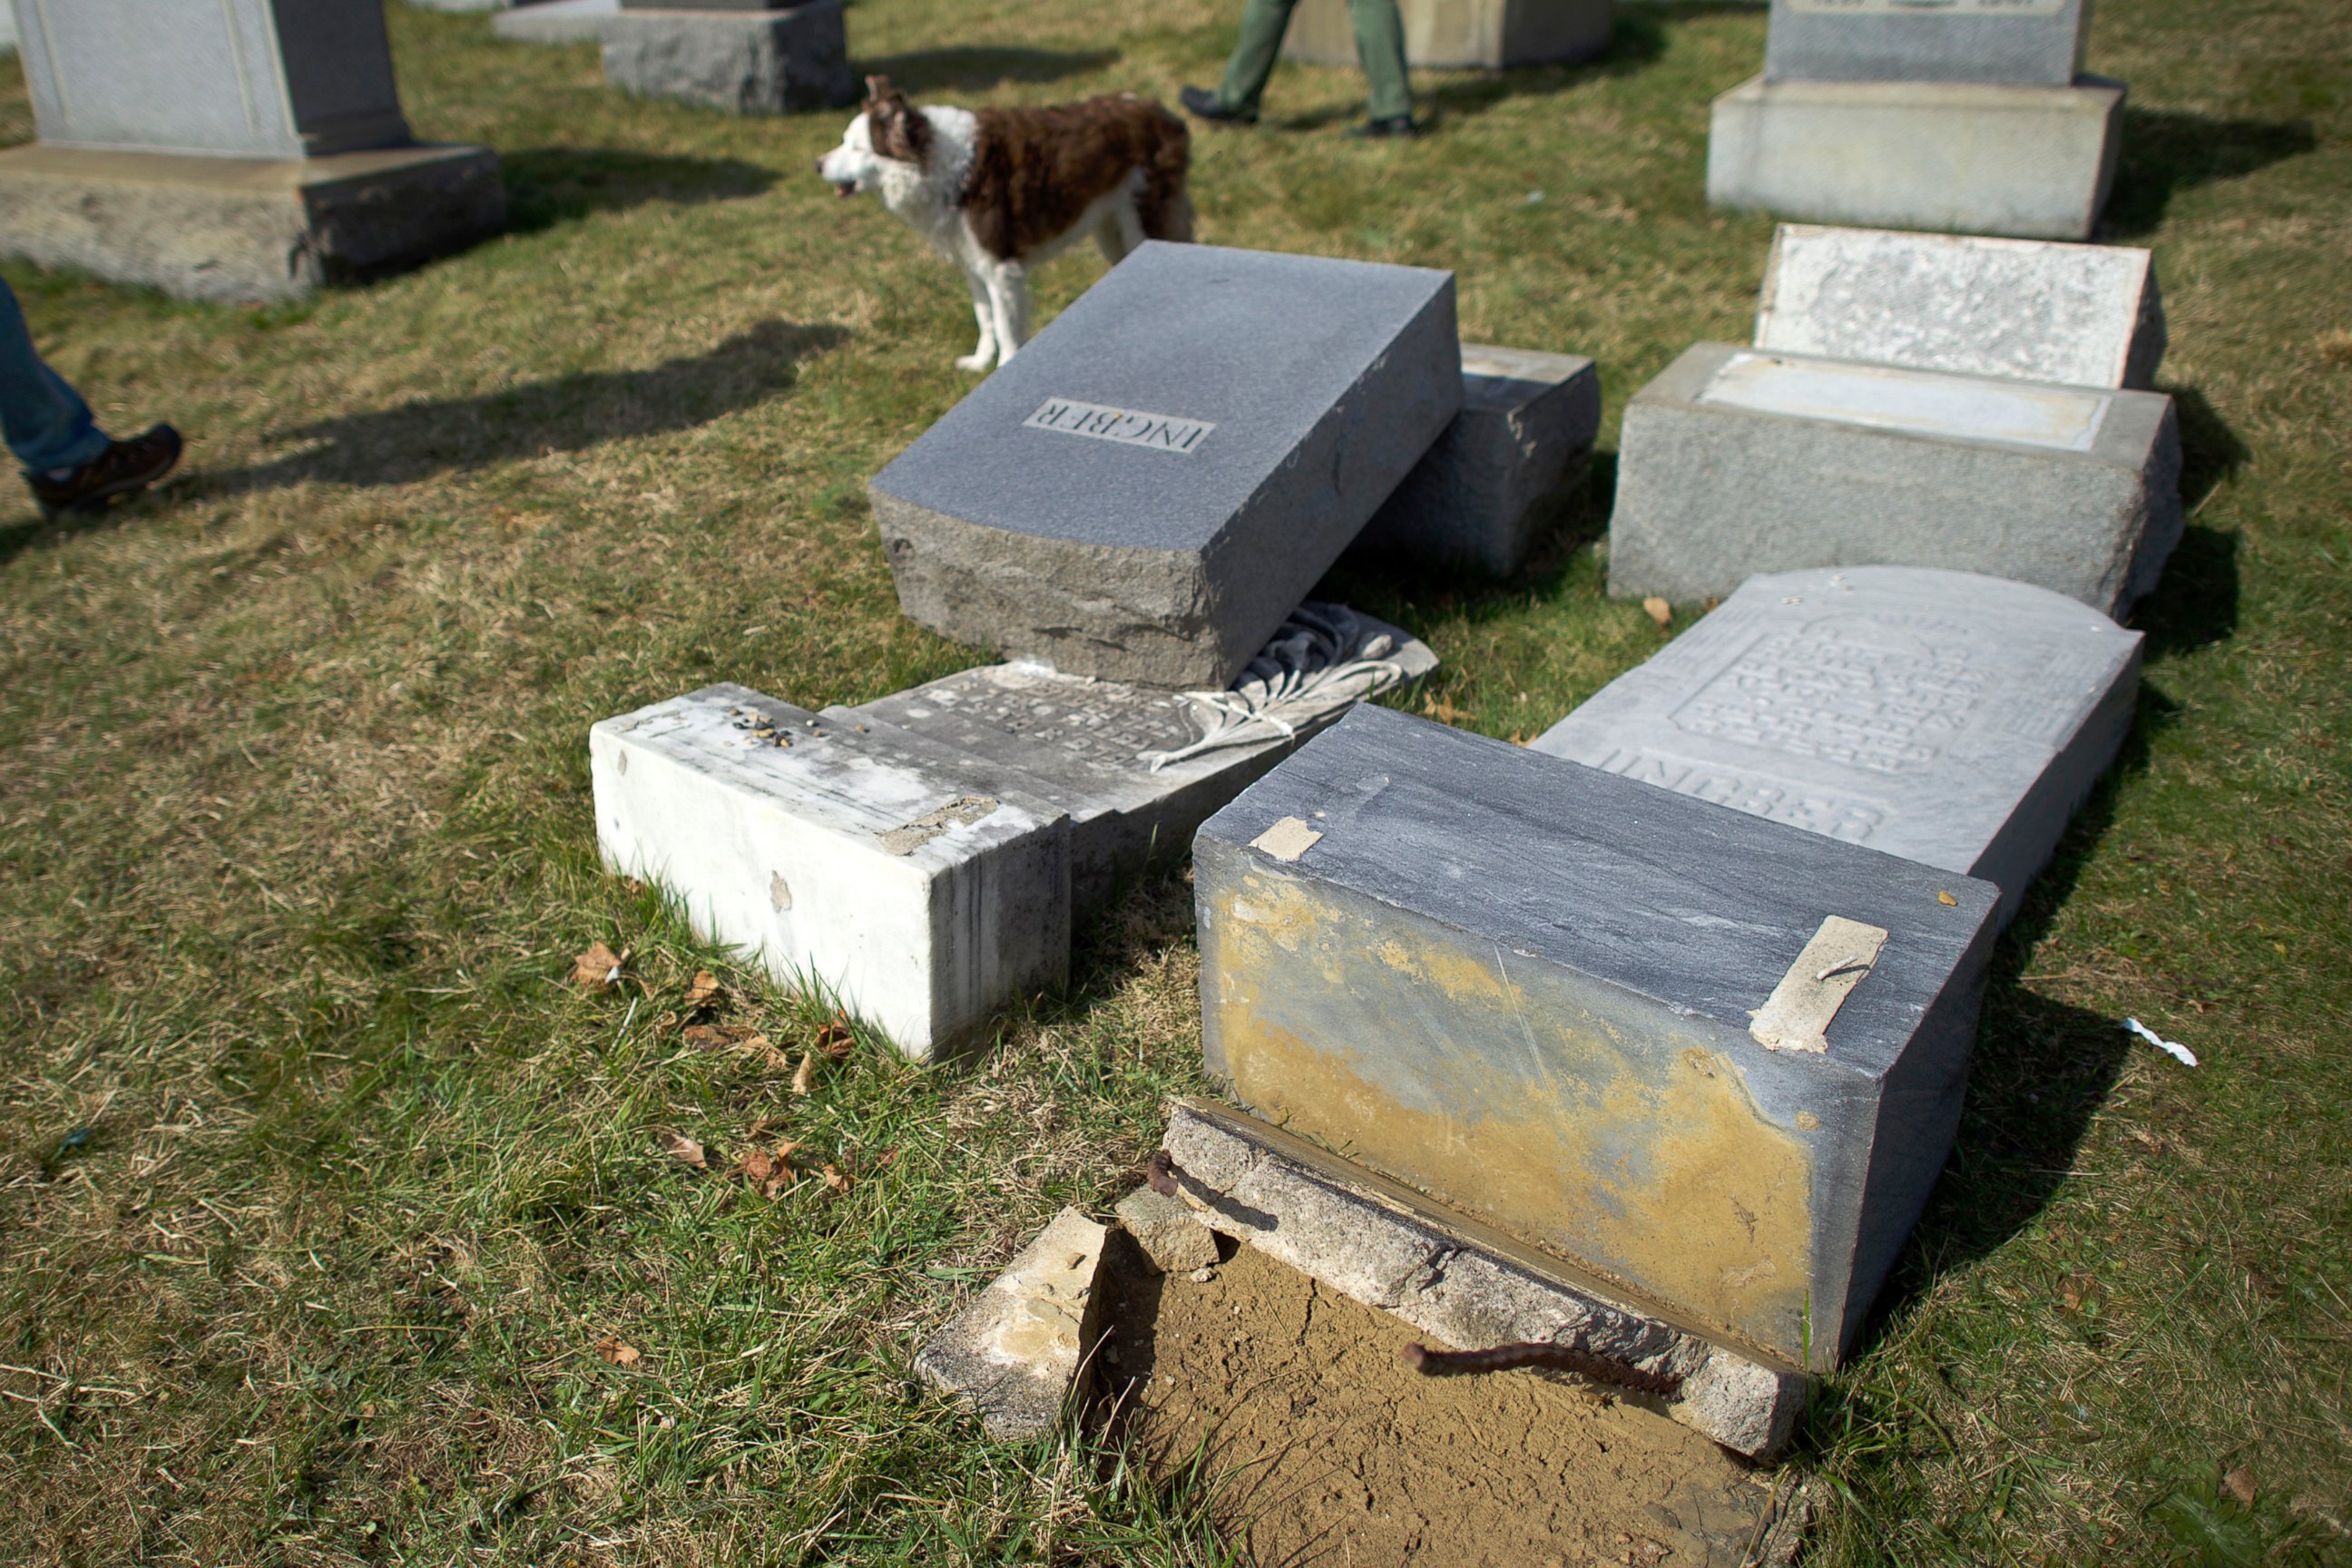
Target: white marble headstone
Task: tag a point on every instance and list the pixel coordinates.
(2085, 315)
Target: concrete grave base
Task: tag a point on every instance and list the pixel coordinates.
(1462, 34)
(1024, 1349)
(1735, 461)
(1455, 1279)
(556, 21)
(2035, 162)
(1480, 496)
(240, 229)
(744, 62)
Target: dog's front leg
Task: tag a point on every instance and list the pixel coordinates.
(1008, 292)
(984, 354)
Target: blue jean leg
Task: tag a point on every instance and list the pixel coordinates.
(45, 421)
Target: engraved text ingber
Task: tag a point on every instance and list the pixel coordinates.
(1130, 426)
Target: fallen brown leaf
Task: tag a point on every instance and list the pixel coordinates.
(1442, 709)
(768, 1170)
(735, 1038)
(835, 1040)
(617, 1353)
(678, 1146)
(1659, 611)
(805, 1074)
(835, 1180)
(703, 990)
(599, 968)
(2240, 1484)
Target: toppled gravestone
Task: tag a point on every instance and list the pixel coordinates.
(1951, 718)
(1712, 1057)
(1161, 474)
(1025, 1348)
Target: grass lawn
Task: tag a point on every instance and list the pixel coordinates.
(322, 1186)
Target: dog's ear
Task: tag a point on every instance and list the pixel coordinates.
(897, 129)
(878, 91)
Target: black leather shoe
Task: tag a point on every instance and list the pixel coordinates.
(1402, 125)
(1202, 103)
(122, 467)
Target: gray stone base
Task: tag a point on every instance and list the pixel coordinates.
(1734, 461)
(1449, 35)
(1454, 1279)
(235, 229)
(1481, 494)
(744, 62)
(2034, 163)
(557, 22)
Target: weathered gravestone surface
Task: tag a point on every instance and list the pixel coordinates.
(1448, 34)
(1542, 993)
(2013, 43)
(229, 149)
(1451, 1277)
(1735, 462)
(2087, 315)
(1138, 770)
(1951, 718)
(1148, 489)
(556, 21)
(922, 857)
(739, 58)
(845, 862)
(1480, 496)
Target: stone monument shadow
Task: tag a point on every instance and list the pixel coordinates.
(2041, 1071)
(548, 185)
(1639, 40)
(410, 441)
(2168, 150)
(976, 70)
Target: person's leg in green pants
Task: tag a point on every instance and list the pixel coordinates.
(1380, 47)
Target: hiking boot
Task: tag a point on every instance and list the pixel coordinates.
(1397, 125)
(122, 467)
(1203, 103)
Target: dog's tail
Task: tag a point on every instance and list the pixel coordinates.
(1165, 206)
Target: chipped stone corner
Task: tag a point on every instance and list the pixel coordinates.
(1172, 1235)
(1457, 1280)
(1025, 1348)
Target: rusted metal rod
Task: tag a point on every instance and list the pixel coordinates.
(1556, 1358)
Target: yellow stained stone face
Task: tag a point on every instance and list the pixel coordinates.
(1504, 1093)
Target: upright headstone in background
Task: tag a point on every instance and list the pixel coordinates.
(743, 57)
(1160, 476)
(1969, 115)
(1711, 1056)
(1450, 35)
(229, 149)
(1951, 718)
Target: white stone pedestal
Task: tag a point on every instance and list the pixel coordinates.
(1462, 34)
(2034, 163)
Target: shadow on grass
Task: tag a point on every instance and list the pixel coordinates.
(548, 185)
(978, 70)
(2168, 150)
(415, 440)
(1640, 39)
(2041, 1071)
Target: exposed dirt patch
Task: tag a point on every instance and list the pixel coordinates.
(1330, 1452)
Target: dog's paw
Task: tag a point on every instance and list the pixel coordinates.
(975, 362)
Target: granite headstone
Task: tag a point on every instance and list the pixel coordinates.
(2011, 43)
(1951, 718)
(1712, 1056)
(2087, 315)
(1157, 478)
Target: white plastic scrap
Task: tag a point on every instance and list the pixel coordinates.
(2172, 1048)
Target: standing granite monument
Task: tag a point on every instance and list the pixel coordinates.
(1162, 474)
(1956, 114)
(229, 149)
(744, 57)
(1713, 1058)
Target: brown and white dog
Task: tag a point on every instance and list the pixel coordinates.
(998, 190)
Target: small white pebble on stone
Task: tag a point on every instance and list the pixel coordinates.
(1201, 1275)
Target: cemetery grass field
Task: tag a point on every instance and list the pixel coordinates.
(336, 1224)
